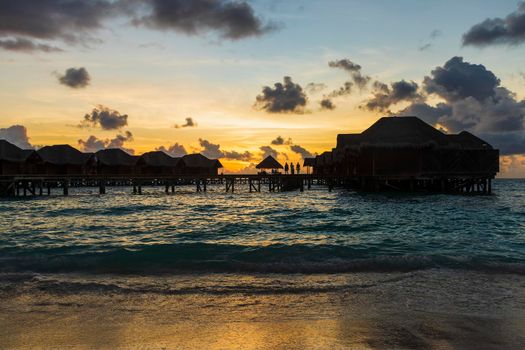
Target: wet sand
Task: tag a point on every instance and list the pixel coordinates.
(367, 311)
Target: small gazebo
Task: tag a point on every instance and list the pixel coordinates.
(269, 163)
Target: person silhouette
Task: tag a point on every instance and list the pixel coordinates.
(291, 168)
(298, 167)
(286, 168)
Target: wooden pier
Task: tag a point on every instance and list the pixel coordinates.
(31, 185)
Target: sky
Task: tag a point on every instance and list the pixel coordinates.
(240, 80)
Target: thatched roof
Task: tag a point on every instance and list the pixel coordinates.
(158, 159)
(466, 140)
(116, 157)
(13, 153)
(64, 154)
(395, 132)
(309, 162)
(348, 140)
(197, 160)
(269, 163)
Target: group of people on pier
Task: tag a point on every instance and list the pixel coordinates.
(291, 168)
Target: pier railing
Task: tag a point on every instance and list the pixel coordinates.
(39, 185)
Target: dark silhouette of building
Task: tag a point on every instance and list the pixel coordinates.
(197, 164)
(408, 147)
(66, 160)
(269, 163)
(158, 163)
(15, 161)
(115, 161)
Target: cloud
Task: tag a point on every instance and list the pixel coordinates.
(70, 21)
(26, 45)
(493, 31)
(77, 21)
(385, 96)
(346, 89)
(279, 140)
(234, 155)
(75, 78)
(214, 151)
(174, 150)
(268, 151)
(189, 124)
(106, 118)
(17, 135)
(326, 103)
(94, 144)
(473, 100)
(354, 69)
(313, 88)
(302, 151)
(432, 36)
(231, 19)
(283, 98)
(458, 79)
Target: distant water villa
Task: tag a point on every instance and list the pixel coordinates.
(395, 153)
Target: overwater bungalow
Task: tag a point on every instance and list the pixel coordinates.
(269, 164)
(308, 164)
(16, 161)
(158, 163)
(197, 164)
(67, 160)
(115, 161)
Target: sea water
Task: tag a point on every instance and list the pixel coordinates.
(403, 261)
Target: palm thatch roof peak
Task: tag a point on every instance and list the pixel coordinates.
(13, 153)
(116, 156)
(269, 163)
(64, 154)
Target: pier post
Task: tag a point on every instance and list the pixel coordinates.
(250, 184)
(65, 186)
(48, 189)
(102, 187)
(489, 186)
(167, 188)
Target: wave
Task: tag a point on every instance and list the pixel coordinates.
(201, 257)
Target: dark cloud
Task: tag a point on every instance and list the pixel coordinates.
(492, 31)
(214, 151)
(354, 69)
(77, 21)
(234, 155)
(286, 97)
(326, 103)
(473, 101)
(268, 151)
(26, 45)
(75, 78)
(279, 140)
(189, 124)
(66, 20)
(346, 89)
(17, 135)
(458, 79)
(106, 118)
(313, 88)
(232, 19)
(302, 151)
(385, 96)
(174, 150)
(433, 36)
(94, 144)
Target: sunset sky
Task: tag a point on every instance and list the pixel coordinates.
(202, 73)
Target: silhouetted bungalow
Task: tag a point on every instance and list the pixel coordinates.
(309, 163)
(197, 164)
(269, 163)
(115, 161)
(67, 160)
(407, 146)
(15, 161)
(158, 163)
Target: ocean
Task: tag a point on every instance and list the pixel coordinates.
(216, 270)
